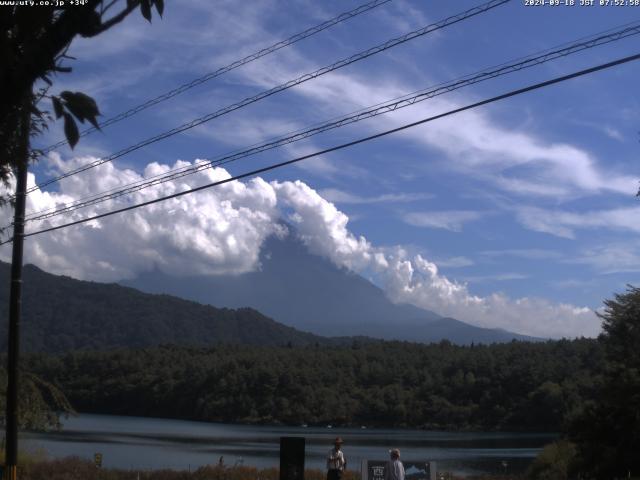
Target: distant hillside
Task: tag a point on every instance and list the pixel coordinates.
(310, 293)
(60, 314)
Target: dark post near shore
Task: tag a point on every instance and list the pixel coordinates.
(15, 304)
(292, 458)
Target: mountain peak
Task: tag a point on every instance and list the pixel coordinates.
(309, 292)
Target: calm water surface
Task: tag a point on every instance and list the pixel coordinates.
(151, 443)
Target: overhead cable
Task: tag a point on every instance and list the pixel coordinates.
(232, 66)
(291, 83)
(379, 109)
(344, 145)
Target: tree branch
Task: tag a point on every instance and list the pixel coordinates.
(107, 7)
(115, 19)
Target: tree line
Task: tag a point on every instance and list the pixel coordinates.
(514, 386)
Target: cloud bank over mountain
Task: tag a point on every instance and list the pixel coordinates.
(221, 230)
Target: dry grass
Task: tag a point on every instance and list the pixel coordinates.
(36, 467)
(73, 468)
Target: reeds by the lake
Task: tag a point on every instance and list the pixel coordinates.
(74, 468)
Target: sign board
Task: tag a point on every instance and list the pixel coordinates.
(97, 457)
(291, 458)
(414, 470)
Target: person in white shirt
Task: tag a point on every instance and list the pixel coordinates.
(394, 470)
(336, 463)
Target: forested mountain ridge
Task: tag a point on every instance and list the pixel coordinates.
(512, 386)
(60, 314)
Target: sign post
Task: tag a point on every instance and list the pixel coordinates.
(292, 458)
(414, 470)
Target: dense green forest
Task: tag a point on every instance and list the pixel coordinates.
(62, 314)
(519, 385)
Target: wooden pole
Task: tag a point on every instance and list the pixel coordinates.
(15, 299)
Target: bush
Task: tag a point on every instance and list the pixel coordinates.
(554, 462)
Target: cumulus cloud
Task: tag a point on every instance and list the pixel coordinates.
(421, 285)
(221, 230)
(216, 231)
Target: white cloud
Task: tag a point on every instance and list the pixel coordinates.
(455, 262)
(608, 130)
(574, 283)
(415, 280)
(613, 133)
(564, 223)
(528, 253)
(452, 220)
(339, 196)
(477, 146)
(216, 231)
(498, 277)
(612, 258)
(403, 17)
(517, 162)
(221, 230)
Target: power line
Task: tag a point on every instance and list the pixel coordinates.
(291, 83)
(379, 109)
(232, 66)
(346, 145)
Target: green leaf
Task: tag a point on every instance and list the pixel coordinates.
(145, 8)
(94, 122)
(71, 130)
(57, 106)
(159, 6)
(81, 105)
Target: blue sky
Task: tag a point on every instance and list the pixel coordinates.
(521, 214)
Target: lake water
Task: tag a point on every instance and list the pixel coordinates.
(150, 443)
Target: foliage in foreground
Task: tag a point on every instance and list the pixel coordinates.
(607, 431)
(604, 435)
(40, 403)
(33, 43)
(73, 468)
(555, 462)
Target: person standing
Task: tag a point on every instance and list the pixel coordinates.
(394, 470)
(336, 462)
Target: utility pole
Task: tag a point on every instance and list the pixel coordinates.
(15, 296)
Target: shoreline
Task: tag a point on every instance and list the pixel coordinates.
(364, 428)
